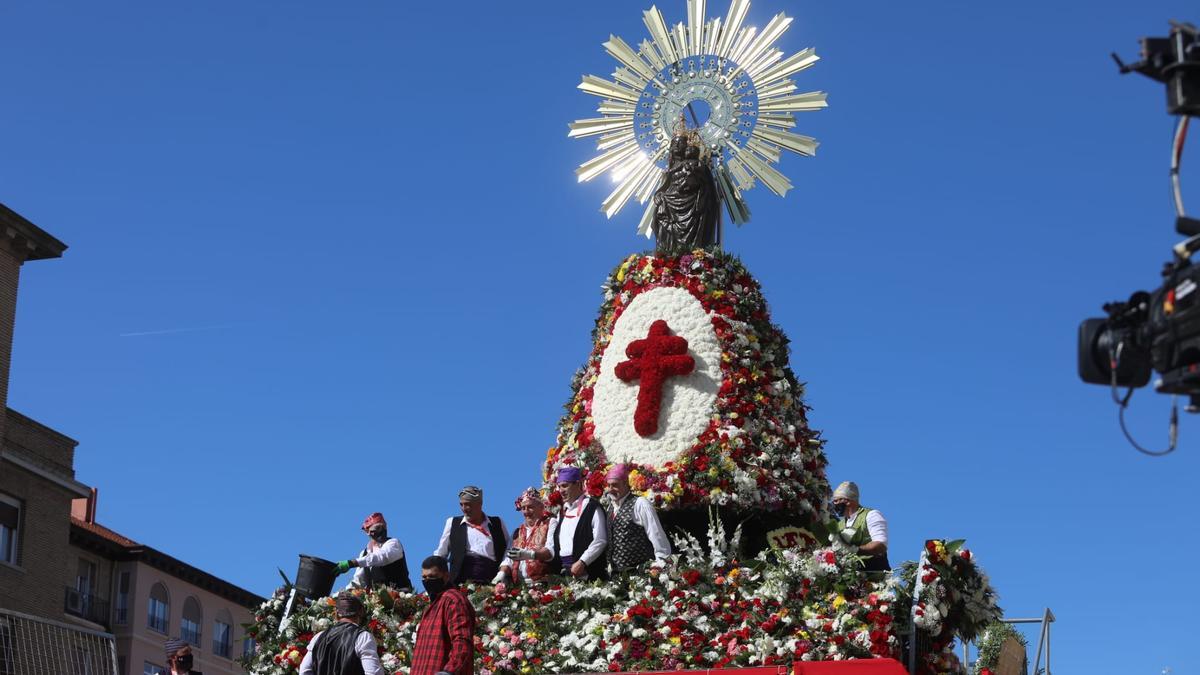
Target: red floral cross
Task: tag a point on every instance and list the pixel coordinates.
(652, 361)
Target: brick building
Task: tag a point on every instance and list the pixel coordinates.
(58, 564)
(37, 475)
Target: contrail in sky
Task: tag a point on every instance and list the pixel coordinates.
(168, 331)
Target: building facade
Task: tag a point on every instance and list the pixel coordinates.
(146, 596)
(59, 565)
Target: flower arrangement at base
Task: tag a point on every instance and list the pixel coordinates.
(706, 610)
(951, 598)
(688, 382)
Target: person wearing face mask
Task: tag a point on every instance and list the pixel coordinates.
(473, 543)
(179, 657)
(446, 633)
(635, 534)
(346, 648)
(528, 559)
(861, 527)
(382, 561)
(581, 531)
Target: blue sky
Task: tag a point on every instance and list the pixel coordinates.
(327, 259)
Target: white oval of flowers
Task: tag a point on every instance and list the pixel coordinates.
(687, 400)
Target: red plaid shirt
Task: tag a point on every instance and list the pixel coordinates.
(446, 636)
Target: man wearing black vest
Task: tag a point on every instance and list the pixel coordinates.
(473, 543)
(346, 648)
(382, 561)
(581, 531)
(635, 535)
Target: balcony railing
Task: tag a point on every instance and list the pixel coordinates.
(86, 606)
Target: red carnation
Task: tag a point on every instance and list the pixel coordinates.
(595, 484)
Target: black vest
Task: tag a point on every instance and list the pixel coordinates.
(335, 653)
(393, 574)
(582, 538)
(458, 549)
(628, 545)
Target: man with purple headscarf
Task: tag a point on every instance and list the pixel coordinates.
(636, 535)
(581, 531)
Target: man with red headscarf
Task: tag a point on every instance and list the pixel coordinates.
(635, 535)
(382, 561)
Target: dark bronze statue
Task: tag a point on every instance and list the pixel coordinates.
(686, 206)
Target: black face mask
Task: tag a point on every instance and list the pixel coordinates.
(839, 510)
(380, 536)
(434, 587)
(183, 664)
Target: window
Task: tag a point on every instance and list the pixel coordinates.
(151, 669)
(122, 614)
(189, 627)
(158, 609)
(221, 634)
(10, 530)
(247, 647)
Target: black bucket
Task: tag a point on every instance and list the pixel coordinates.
(315, 577)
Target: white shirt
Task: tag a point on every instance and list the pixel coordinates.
(570, 521)
(876, 525)
(644, 515)
(478, 543)
(364, 646)
(385, 554)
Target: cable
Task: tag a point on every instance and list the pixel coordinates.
(1177, 141)
(1123, 404)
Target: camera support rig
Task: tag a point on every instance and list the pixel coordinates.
(1159, 330)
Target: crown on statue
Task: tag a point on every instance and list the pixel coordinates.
(693, 138)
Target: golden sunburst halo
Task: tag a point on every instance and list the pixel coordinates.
(732, 71)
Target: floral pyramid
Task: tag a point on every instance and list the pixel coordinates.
(688, 381)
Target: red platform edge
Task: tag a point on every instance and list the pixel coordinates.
(848, 667)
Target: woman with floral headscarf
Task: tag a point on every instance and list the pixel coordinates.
(528, 559)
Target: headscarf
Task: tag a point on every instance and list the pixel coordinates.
(373, 519)
(569, 474)
(618, 472)
(471, 493)
(846, 490)
(348, 604)
(174, 645)
(529, 495)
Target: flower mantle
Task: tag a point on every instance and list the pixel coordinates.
(732, 431)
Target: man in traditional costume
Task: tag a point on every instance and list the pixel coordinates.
(635, 534)
(529, 558)
(346, 648)
(382, 561)
(473, 543)
(581, 531)
(446, 634)
(861, 527)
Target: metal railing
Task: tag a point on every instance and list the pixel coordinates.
(31, 645)
(1045, 620)
(85, 606)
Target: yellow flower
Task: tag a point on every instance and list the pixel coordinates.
(839, 601)
(678, 489)
(713, 472)
(675, 640)
(734, 573)
(717, 294)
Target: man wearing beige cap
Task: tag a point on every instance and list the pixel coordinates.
(861, 527)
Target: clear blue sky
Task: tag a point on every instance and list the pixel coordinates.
(357, 227)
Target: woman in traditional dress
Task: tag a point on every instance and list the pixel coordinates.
(528, 559)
